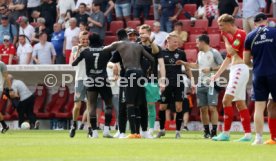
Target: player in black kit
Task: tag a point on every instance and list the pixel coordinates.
(174, 90)
(97, 83)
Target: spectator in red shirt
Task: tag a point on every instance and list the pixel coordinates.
(7, 50)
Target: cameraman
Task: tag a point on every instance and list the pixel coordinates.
(26, 101)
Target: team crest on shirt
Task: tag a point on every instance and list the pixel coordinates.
(171, 61)
(237, 42)
(176, 56)
(163, 99)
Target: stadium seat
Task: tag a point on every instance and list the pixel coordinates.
(214, 24)
(186, 25)
(190, 45)
(191, 55)
(133, 24)
(66, 111)
(109, 39)
(213, 30)
(222, 45)
(149, 22)
(57, 102)
(10, 112)
(189, 8)
(197, 30)
(193, 37)
(41, 93)
(239, 23)
(114, 27)
(201, 24)
(214, 40)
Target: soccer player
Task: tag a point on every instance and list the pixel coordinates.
(97, 83)
(4, 77)
(80, 90)
(131, 54)
(234, 39)
(152, 87)
(174, 92)
(260, 43)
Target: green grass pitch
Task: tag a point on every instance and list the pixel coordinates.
(49, 145)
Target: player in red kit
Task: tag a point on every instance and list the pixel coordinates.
(234, 39)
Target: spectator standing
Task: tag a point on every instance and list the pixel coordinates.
(7, 51)
(249, 10)
(63, 6)
(57, 40)
(18, 8)
(7, 29)
(230, 7)
(24, 51)
(44, 51)
(97, 21)
(82, 16)
(70, 32)
(31, 6)
(26, 29)
(123, 10)
(168, 14)
(141, 6)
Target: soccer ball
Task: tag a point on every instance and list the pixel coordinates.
(25, 126)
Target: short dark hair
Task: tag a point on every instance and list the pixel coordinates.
(22, 36)
(96, 3)
(42, 33)
(95, 40)
(121, 34)
(82, 4)
(204, 38)
(178, 23)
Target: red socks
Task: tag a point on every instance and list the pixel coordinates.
(245, 120)
(272, 128)
(228, 117)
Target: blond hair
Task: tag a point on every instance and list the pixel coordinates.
(226, 19)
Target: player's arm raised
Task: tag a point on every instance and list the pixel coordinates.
(111, 47)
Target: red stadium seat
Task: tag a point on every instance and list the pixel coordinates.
(192, 38)
(201, 24)
(197, 30)
(239, 23)
(40, 98)
(10, 112)
(213, 30)
(133, 24)
(66, 112)
(114, 27)
(214, 24)
(222, 45)
(190, 45)
(57, 102)
(189, 8)
(149, 22)
(191, 55)
(186, 25)
(109, 39)
(214, 40)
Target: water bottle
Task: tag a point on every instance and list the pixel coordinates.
(211, 88)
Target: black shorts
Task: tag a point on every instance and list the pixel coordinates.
(134, 90)
(102, 88)
(262, 86)
(172, 94)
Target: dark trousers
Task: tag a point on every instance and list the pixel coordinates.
(26, 107)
